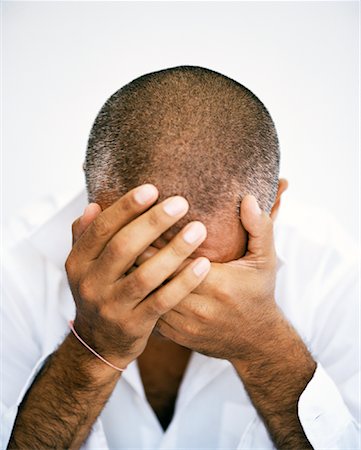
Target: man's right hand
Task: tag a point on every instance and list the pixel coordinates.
(117, 309)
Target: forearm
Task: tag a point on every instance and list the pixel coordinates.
(275, 377)
(65, 399)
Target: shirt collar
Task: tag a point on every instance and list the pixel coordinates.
(53, 238)
(200, 371)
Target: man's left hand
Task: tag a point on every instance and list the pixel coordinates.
(233, 315)
(232, 312)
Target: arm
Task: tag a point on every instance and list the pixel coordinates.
(235, 304)
(65, 399)
(232, 315)
(116, 311)
(275, 378)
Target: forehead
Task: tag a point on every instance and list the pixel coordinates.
(226, 238)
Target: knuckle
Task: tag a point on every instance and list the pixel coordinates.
(154, 219)
(86, 289)
(189, 329)
(135, 286)
(177, 251)
(157, 305)
(223, 292)
(117, 247)
(70, 265)
(100, 227)
(201, 310)
(129, 290)
(142, 279)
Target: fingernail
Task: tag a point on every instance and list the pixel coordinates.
(175, 206)
(145, 194)
(89, 208)
(194, 232)
(201, 266)
(255, 207)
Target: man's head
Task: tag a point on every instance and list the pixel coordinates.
(191, 132)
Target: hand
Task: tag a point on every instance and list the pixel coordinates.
(231, 313)
(116, 311)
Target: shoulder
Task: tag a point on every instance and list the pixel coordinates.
(318, 280)
(36, 245)
(312, 241)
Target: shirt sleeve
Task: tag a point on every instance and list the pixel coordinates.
(9, 412)
(22, 320)
(25, 340)
(324, 416)
(329, 407)
(96, 438)
(319, 296)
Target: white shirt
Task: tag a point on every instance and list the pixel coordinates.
(316, 289)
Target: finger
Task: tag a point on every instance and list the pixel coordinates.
(169, 295)
(152, 273)
(217, 276)
(112, 219)
(123, 249)
(191, 305)
(259, 227)
(175, 320)
(147, 254)
(81, 224)
(173, 317)
(168, 332)
(151, 251)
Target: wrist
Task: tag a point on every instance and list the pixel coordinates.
(79, 358)
(259, 336)
(102, 340)
(278, 348)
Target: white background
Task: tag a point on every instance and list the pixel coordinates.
(61, 60)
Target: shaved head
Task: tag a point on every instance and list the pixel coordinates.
(191, 132)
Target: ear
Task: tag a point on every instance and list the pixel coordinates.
(282, 186)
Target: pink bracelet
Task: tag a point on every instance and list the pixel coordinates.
(71, 326)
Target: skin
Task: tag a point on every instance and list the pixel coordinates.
(268, 355)
(113, 277)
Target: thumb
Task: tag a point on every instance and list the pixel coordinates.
(259, 227)
(82, 222)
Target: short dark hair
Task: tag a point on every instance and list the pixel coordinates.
(190, 131)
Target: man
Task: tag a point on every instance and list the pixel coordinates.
(184, 332)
